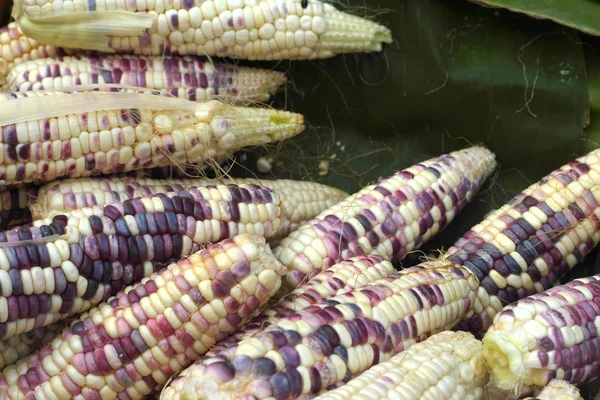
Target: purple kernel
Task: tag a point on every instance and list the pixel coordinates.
(263, 366)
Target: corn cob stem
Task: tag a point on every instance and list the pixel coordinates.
(558, 390)
(390, 218)
(16, 48)
(347, 275)
(192, 78)
(78, 260)
(549, 335)
(335, 339)
(152, 330)
(451, 362)
(531, 242)
(300, 200)
(254, 30)
(20, 346)
(47, 135)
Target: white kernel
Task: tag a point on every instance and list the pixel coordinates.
(208, 10)
(266, 32)
(319, 25)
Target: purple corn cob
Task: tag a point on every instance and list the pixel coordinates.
(531, 242)
(187, 77)
(72, 262)
(546, 336)
(347, 275)
(131, 346)
(300, 200)
(333, 340)
(390, 218)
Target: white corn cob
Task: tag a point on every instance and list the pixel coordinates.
(446, 366)
(249, 29)
(47, 135)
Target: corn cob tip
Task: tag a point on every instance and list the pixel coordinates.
(268, 82)
(504, 357)
(253, 126)
(346, 33)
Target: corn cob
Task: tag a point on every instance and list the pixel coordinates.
(300, 200)
(16, 48)
(20, 346)
(254, 30)
(350, 274)
(558, 390)
(78, 260)
(390, 218)
(154, 329)
(548, 335)
(90, 133)
(448, 365)
(13, 205)
(192, 78)
(335, 339)
(532, 241)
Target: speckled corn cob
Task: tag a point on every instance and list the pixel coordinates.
(300, 200)
(558, 390)
(80, 259)
(531, 242)
(390, 218)
(347, 275)
(47, 135)
(13, 205)
(192, 78)
(549, 335)
(334, 340)
(130, 347)
(247, 29)
(446, 366)
(16, 48)
(20, 346)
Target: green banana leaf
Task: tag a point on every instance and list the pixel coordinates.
(583, 15)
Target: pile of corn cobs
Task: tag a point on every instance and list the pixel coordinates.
(116, 283)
